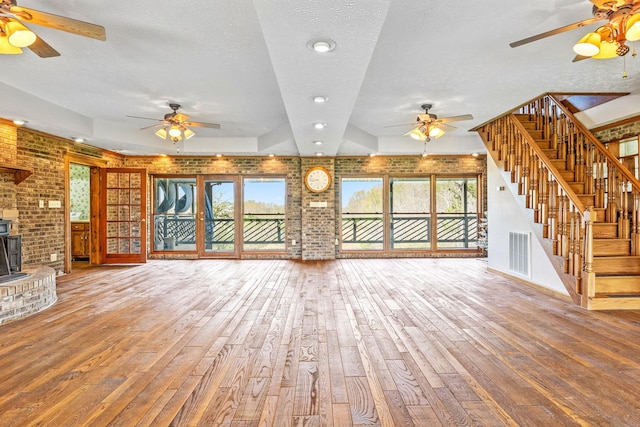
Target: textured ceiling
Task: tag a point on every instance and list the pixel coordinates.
(247, 65)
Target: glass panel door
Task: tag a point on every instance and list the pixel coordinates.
(124, 199)
(218, 223)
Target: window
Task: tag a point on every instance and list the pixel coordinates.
(457, 213)
(264, 214)
(410, 207)
(423, 213)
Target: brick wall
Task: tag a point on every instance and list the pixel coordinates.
(288, 167)
(314, 229)
(42, 229)
(319, 220)
(617, 132)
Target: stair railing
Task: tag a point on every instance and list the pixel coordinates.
(566, 218)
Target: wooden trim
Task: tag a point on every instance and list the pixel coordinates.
(19, 173)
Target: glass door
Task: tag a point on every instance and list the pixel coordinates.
(218, 219)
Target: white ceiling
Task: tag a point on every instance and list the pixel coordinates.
(247, 65)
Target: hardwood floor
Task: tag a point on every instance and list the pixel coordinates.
(394, 342)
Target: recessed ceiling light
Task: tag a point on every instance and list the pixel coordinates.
(319, 154)
(425, 154)
(320, 99)
(318, 142)
(319, 125)
(372, 154)
(323, 46)
(271, 155)
(218, 155)
(475, 154)
(78, 139)
(18, 122)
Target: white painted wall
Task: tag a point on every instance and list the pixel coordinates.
(505, 215)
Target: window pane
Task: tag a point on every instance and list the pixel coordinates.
(174, 220)
(410, 200)
(362, 214)
(457, 213)
(264, 214)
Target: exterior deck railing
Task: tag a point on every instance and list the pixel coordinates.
(411, 228)
(258, 229)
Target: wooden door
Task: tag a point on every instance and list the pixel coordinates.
(123, 225)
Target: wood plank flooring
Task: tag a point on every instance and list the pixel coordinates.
(394, 342)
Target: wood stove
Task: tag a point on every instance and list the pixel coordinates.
(10, 253)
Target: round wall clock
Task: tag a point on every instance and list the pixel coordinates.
(317, 179)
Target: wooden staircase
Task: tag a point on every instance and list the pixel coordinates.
(585, 203)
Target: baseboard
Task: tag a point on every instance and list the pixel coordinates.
(542, 289)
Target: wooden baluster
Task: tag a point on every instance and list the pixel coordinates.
(553, 137)
(599, 184)
(579, 159)
(563, 228)
(553, 212)
(571, 153)
(589, 279)
(635, 236)
(534, 183)
(562, 138)
(543, 201)
(588, 170)
(624, 230)
(546, 129)
(611, 210)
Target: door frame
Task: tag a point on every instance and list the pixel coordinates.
(95, 165)
(123, 258)
(237, 216)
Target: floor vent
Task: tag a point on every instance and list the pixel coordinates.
(519, 259)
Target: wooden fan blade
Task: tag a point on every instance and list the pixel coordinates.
(406, 124)
(445, 127)
(153, 126)
(69, 25)
(203, 125)
(43, 49)
(580, 58)
(406, 134)
(455, 118)
(556, 31)
(146, 118)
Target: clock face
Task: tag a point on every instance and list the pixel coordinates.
(317, 179)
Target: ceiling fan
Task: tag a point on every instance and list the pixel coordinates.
(175, 126)
(609, 40)
(14, 35)
(430, 126)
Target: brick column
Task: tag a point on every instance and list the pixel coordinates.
(318, 214)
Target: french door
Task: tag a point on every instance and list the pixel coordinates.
(123, 221)
(219, 224)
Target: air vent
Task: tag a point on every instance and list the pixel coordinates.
(519, 251)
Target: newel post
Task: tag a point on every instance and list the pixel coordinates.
(588, 276)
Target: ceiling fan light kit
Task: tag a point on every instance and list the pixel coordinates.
(15, 35)
(175, 126)
(607, 41)
(18, 35)
(429, 126)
